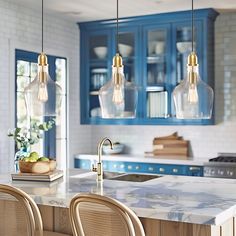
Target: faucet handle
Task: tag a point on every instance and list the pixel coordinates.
(94, 168)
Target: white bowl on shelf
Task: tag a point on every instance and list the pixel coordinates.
(125, 50)
(96, 112)
(160, 47)
(100, 52)
(117, 148)
(184, 47)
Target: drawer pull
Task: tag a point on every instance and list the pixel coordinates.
(161, 169)
(194, 168)
(130, 167)
(150, 168)
(137, 167)
(175, 170)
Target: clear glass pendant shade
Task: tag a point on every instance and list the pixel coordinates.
(193, 98)
(43, 95)
(118, 97)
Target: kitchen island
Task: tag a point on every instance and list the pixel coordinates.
(169, 205)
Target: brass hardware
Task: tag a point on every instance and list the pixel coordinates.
(161, 169)
(42, 59)
(194, 168)
(192, 59)
(99, 168)
(117, 61)
(42, 62)
(175, 170)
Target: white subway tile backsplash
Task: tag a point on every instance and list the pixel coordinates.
(206, 141)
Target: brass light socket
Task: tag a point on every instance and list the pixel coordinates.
(42, 59)
(192, 77)
(192, 59)
(117, 61)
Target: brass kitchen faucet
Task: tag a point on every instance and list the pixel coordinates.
(98, 168)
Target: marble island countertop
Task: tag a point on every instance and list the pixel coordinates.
(176, 198)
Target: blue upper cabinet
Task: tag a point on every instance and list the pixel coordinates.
(154, 50)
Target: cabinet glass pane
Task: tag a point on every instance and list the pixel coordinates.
(98, 47)
(98, 72)
(156, 57)
(126, 49)
(157, 97)
(183, 48)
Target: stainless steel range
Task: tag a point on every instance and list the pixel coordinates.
(223, 166)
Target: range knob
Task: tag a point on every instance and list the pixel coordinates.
(212, 172)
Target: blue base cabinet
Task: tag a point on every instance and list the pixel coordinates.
(154, 50)
(140, 167)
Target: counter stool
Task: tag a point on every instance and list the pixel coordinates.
(96, 215)
(19, 214)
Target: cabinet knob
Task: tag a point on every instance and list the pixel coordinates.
(161, 169)
(175, 170)
(130, 167)
(150, 168)
(194, 168)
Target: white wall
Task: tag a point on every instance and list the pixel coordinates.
(206, 141)
(21, 28)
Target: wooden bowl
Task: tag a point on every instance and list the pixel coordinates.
(38, 167)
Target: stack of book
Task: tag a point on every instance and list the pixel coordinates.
(171, 145)
(47, 177)
(157, 104)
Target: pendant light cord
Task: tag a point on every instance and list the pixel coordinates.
(117, 25)
(192, 28)
(42, 25)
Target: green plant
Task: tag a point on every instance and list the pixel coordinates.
(24, 137)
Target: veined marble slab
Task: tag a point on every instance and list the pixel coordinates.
(144, 159)
(177, 198)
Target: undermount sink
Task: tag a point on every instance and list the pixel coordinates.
(111, 175)
(129, 177)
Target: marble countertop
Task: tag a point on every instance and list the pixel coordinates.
(145, 159)
(177, 198)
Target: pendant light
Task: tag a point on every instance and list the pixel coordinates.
(118, 97)
(193, 98)
(43, 95)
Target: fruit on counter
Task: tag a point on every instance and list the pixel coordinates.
(34, 156)
(43, 159)
(26, 159)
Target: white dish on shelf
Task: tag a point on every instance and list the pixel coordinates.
(100, 52)
(117, 148)
(184, 47)
(96, 112)
(125, 50)
(154, 89)
(156, 48)
(160, 47)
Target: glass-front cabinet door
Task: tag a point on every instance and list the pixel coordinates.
(98, 69)
(156, 51)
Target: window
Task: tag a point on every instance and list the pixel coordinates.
(55, 141)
